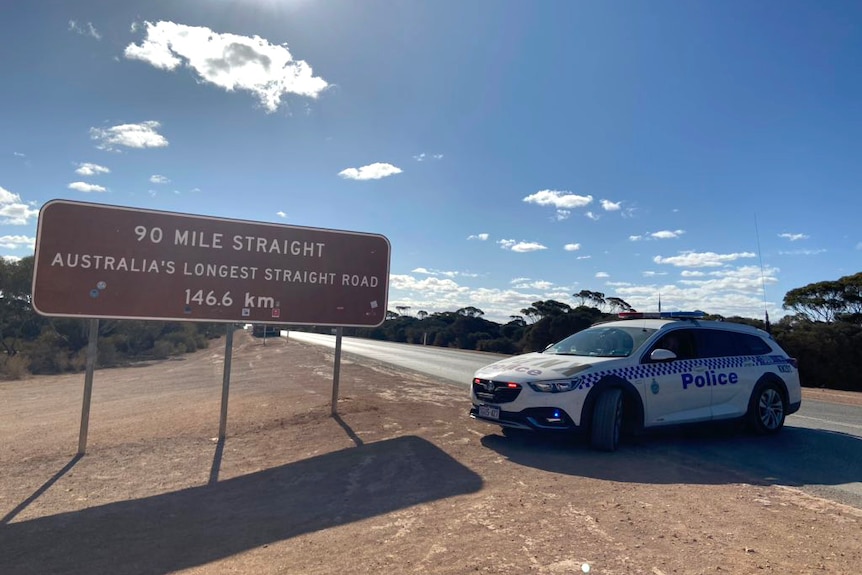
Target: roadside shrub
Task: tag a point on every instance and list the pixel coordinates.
(47, 361)
(14, 367)
(829, 355)
(78, 360)
(499, 345)
(162, 350)
(107, 355)
(201, 342)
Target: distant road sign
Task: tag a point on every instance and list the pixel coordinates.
(101, 261)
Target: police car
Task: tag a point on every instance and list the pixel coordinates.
(642, 371)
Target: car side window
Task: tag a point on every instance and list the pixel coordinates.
(716, 343)
(679, 341)
(753, 345)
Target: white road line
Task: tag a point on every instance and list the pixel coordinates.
(826, 421)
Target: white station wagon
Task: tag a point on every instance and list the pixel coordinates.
(644, 371)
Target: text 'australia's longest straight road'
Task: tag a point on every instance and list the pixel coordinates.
(100, 261)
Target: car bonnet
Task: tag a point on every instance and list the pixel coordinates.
(539, 366)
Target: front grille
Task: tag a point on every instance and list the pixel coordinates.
(495, 391)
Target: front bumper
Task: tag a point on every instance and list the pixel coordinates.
(551, 419)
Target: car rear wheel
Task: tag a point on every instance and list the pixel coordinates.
(766, 411)
(607, 420)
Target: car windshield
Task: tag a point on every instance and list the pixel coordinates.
(603, 341)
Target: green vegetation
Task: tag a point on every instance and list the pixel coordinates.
(824, 331)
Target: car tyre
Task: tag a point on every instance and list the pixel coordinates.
(607, 420)
(767, 409)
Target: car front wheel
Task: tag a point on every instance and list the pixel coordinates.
(607, 420)
(766, 411)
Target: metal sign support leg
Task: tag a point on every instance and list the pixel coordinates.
(92, 350)
(337, 369)
(225, 387)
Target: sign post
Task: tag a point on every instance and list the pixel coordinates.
(336, 371)
(92, 351)
(225, 387)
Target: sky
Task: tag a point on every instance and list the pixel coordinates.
(701, 154)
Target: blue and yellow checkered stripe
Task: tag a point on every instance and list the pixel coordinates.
(650, 370)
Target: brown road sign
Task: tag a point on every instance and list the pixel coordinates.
(101, 261)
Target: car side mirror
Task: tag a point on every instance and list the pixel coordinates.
(662, 355)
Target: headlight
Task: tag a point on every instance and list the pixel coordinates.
(555, 386)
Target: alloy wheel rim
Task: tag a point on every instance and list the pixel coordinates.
(771, 409)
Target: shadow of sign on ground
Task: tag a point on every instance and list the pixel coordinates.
(710, 455)
(182, 529)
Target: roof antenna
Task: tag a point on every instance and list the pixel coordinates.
(762, 277)
(659, 302)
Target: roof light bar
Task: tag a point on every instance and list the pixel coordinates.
(662, 315)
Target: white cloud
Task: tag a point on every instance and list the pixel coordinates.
(652, 274)
(230, 61)
(602, 275)
(481, 237)
(434, 294)
(13, 211)
(667, 234)
(88, 169)
(802, 252)
(281, 214)
(793, 237)
(745, 278)
(15, 242)
(591, 216)
(370, 172)
(86, 188)
(701, 259)
(85, 30)
(423, 156)
(527, 283)
(143, 135)
(558, 199)
(662, 235)
(692, 274)
(572, 247)
(157, 179)
(449, 274)
(430, 285)
(562, 215)
(521, 247)
(610, 206)
(729, 291)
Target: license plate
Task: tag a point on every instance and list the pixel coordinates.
(489, 412)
